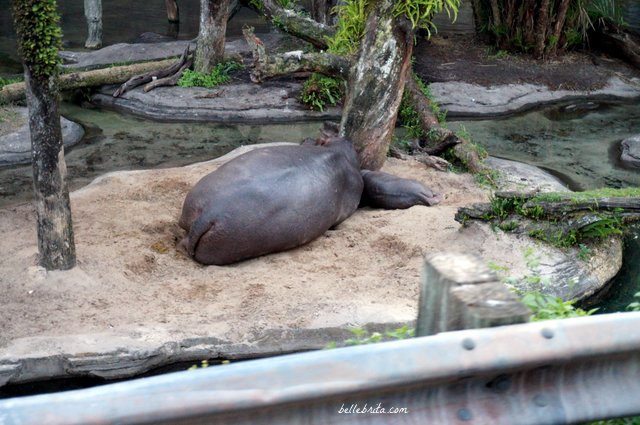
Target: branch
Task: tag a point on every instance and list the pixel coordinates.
(266, 66)
(297, 25)
(153, 75)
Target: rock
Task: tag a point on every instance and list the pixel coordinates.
(631, 151)
(15, 147)
(461, 99)
(521, 177)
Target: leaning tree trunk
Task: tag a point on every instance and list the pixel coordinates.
(211, 37)
(376, 84)
(93, 14)
(39, 35)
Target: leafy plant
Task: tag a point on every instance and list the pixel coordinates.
(39, 35)
(351, 16)
(584, 253)
(362, 336)
(319, 90)
(420, 12)
(219, 75)
(7, 81)
(548, 307)
(635, 306)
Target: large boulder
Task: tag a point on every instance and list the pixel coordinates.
(631, 151)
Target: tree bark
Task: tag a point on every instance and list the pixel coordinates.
(269, 66)
(541, 29)
(96, 77)
(561, 16)
(376, 84)
(173, 12)
(93, 14)
(299, 26)
(321, 11)
(55, 231)
(211, 37)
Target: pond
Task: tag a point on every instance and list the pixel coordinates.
(121, 142)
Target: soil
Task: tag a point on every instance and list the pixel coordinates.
(464, 57)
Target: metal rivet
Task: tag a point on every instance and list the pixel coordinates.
(468, 344)
(540, 400)
(464, 414)
(547, 333)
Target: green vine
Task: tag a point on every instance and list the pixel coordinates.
(350, 27)
(39, 35)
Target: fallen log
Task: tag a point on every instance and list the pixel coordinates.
(138, 80)
(616, 40)
(97, 77)
(563, 219)
(171, 80)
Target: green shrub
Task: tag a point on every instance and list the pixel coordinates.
(319, 90)
(219, 75)
(548, 307)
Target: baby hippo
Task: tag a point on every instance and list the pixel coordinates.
(271, 199)
(382, 190)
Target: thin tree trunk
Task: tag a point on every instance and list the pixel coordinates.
(559, 24)
(376, 84)
(495, 12)
(541, 29)
(93, 14)
(55, 231)
(173, 12)
(213, 26)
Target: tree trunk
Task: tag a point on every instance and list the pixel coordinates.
(541, 29)
(376, 84)
(55, 231)
(213, 26)
(617, 41)
(173, 13)
(561, 16)
(93, 14)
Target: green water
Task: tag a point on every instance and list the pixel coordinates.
(121, 142)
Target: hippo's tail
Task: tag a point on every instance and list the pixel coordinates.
(198, 228)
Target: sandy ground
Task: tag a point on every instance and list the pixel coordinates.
(130, 274)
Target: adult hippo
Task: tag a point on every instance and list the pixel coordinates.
(271, 199)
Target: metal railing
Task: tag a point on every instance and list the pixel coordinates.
(563, 371)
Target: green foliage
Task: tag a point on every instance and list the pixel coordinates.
(351, 15)
(362, 336)
(205, 364)
(634, 420)
(287, 4)
(599, 10)
(39, 35)
(584, 253)
(7, 81)
(319, 90)
(548, 307)
(635, 306)
(603, 228)
(420, 12)
(257, 4)
(410, 118)
(219, 75)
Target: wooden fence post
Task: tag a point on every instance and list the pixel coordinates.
(459, 291)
